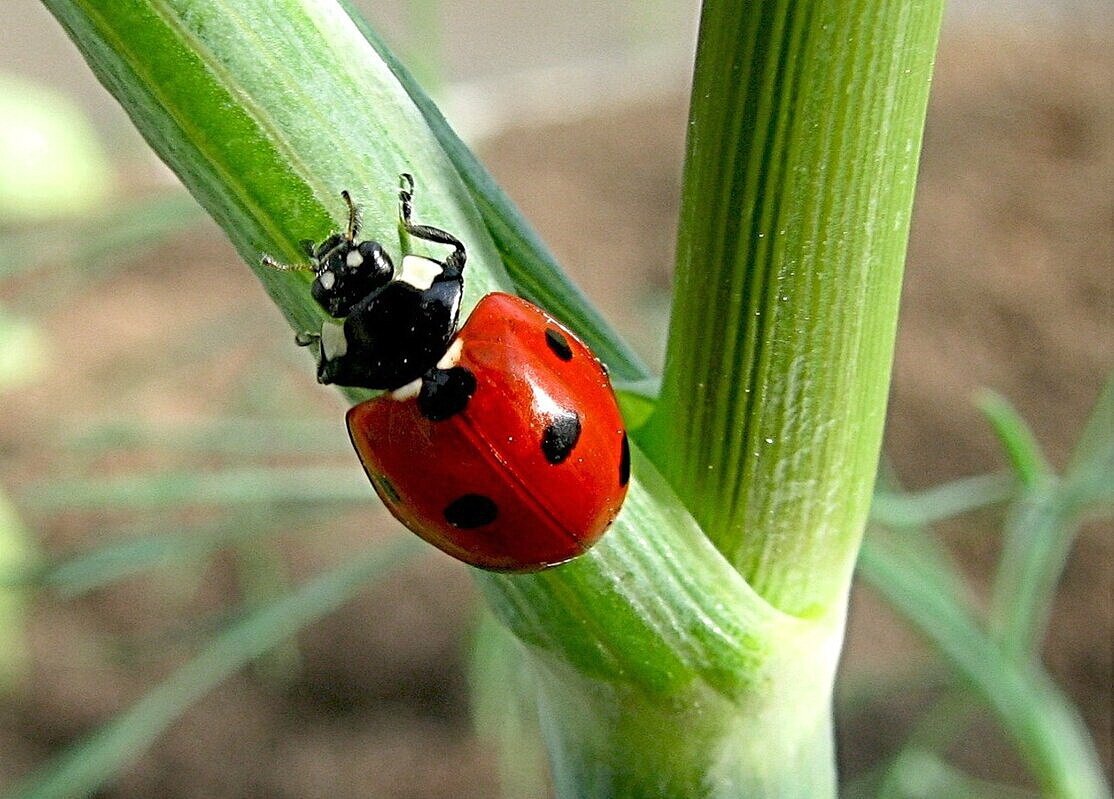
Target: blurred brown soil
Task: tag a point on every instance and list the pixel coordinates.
(1009, 287)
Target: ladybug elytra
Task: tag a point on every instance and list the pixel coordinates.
(501, 443)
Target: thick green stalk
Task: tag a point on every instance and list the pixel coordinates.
(805, 131)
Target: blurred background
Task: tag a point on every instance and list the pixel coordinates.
(151, 392)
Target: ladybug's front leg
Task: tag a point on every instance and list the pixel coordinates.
(331, 345)
(453, 265)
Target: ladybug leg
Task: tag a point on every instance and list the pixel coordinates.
(332, 349)
(307, 339)
(453, 265)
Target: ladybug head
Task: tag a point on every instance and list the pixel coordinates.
(347, 272)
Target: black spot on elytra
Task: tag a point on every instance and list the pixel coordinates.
(624, 461)
(445, 392)
(558, 344)
(471, 510)
(560, 436)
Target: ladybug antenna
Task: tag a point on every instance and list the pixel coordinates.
(353, 218)
(271, 263)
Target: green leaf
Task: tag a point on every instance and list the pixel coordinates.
(802, 157)
(922, 508)
(923, 775)
(239, 437)
(100, 242)
(1022, 449)
(1087, 480)
(235, 486)
(636, 401)
(1040, 532)
(84, 767)
(128, 556)
(1043, 725)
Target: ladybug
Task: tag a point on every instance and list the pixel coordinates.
(501, 443)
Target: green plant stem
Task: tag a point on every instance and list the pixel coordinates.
(805, 133)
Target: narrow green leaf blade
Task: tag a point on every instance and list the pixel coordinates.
(239, 437)
(1088, 478)
(123, 557)
(1044, 726)
(17, 554)
(922, 508)
(83, 768)
(1017, 439)
(245, 485)
(110, 238)
(1041, 530)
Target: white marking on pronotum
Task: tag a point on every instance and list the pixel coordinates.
(354, 258)
(409, 391)
(452, 355)
(419, 272)
(456, 306)
(334, 344)
(328, 280)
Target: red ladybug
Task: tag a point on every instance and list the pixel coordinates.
(501, 444)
